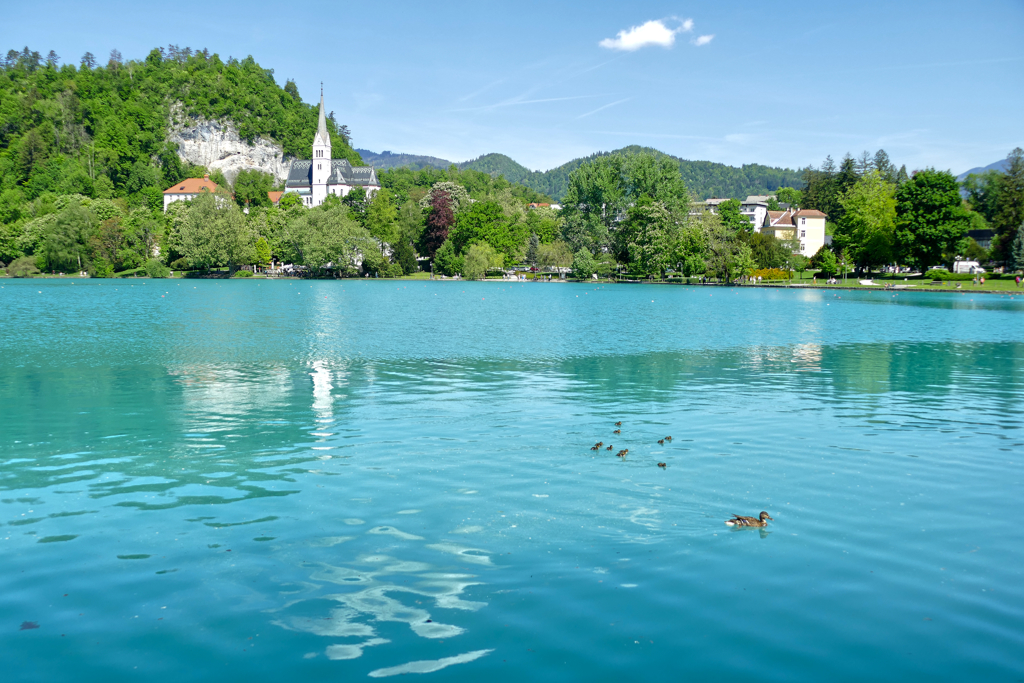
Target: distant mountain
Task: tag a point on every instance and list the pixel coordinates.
(1001, 165)
(704, 178)
(386, 160)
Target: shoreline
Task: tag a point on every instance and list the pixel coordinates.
(881, 288)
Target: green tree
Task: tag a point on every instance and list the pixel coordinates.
(554, 255)
(732, 218)
(405, 256)
(825, 261)
(1017, 252)
(644, 237)
(64, 243)
(930, 218)
(983, 191)
(1010, 211)
(447, 260)
(381, 217)
(532, 246)
(251, 188)
(479, 259)
(868, 224)
(583, 265)
(767, 250)
(214, 232)
(329, 235)
(487, 222)
(788, 195)
(742, 263)
(263, 253)
(601, 191)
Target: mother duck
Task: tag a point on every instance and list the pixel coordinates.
(740, 520)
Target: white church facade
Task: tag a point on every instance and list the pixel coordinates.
(314, 179)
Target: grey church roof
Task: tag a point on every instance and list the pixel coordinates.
(342, 173)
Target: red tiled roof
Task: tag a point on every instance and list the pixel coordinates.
(275, 197)
(811, 213)
(192, 186)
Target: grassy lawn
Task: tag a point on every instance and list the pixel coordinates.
(1004, 284)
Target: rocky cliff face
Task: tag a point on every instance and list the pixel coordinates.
(217, 145)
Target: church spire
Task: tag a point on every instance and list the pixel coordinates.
(321, 128)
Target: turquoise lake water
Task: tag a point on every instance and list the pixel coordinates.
(239, 480)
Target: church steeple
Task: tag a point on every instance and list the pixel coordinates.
(321, 127)
(321, 168)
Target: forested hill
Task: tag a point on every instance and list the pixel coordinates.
(101, 130)
(703, 178)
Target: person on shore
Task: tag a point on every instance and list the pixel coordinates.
(982, 280)
(1018, 280)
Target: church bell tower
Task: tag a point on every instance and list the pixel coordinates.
(321, 170)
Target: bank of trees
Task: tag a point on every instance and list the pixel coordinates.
(878, 214)
(98, 130)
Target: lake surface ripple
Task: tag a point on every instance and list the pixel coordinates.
(294, 481)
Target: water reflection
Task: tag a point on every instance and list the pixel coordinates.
(401, 584)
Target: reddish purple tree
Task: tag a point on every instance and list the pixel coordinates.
(441, 218)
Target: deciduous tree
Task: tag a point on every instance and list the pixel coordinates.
(930, 218)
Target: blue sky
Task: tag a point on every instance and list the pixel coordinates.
(784, 84)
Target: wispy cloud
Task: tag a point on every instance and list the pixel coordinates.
(654, 32)
(602, 108)
(517, 101)
(703, 40)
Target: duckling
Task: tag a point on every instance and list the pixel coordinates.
(661, 442)
(622, 453)
(594, 447)
(662, 465)
(668, 438)
(617, 431)
(739, 520)
(609, 447)
(618, 424)
(599, 444)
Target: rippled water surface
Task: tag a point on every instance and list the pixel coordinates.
(338, 480)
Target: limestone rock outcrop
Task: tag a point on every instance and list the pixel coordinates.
(217, 146)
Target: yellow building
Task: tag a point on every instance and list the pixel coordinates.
(805, 225)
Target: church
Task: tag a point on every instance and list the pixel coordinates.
(315, 178)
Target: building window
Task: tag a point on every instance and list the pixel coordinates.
(803, 233)
(803, 221)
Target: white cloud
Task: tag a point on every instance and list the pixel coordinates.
(652, 33)
(703, 40)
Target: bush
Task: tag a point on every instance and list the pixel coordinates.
(771, 274)
(156, 269)
(945, 275)
(180, 264)
(242, 273)
(23, 267)
(393, 270)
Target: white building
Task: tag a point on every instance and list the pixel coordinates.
(755, 208)
(188, 189)
(313, 179)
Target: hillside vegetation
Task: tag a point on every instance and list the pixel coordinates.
(703, 178)
(101, 131)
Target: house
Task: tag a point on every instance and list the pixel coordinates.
(806, 226)
(711, 204)
(755, 208)
(313, 179)
(188, 189)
